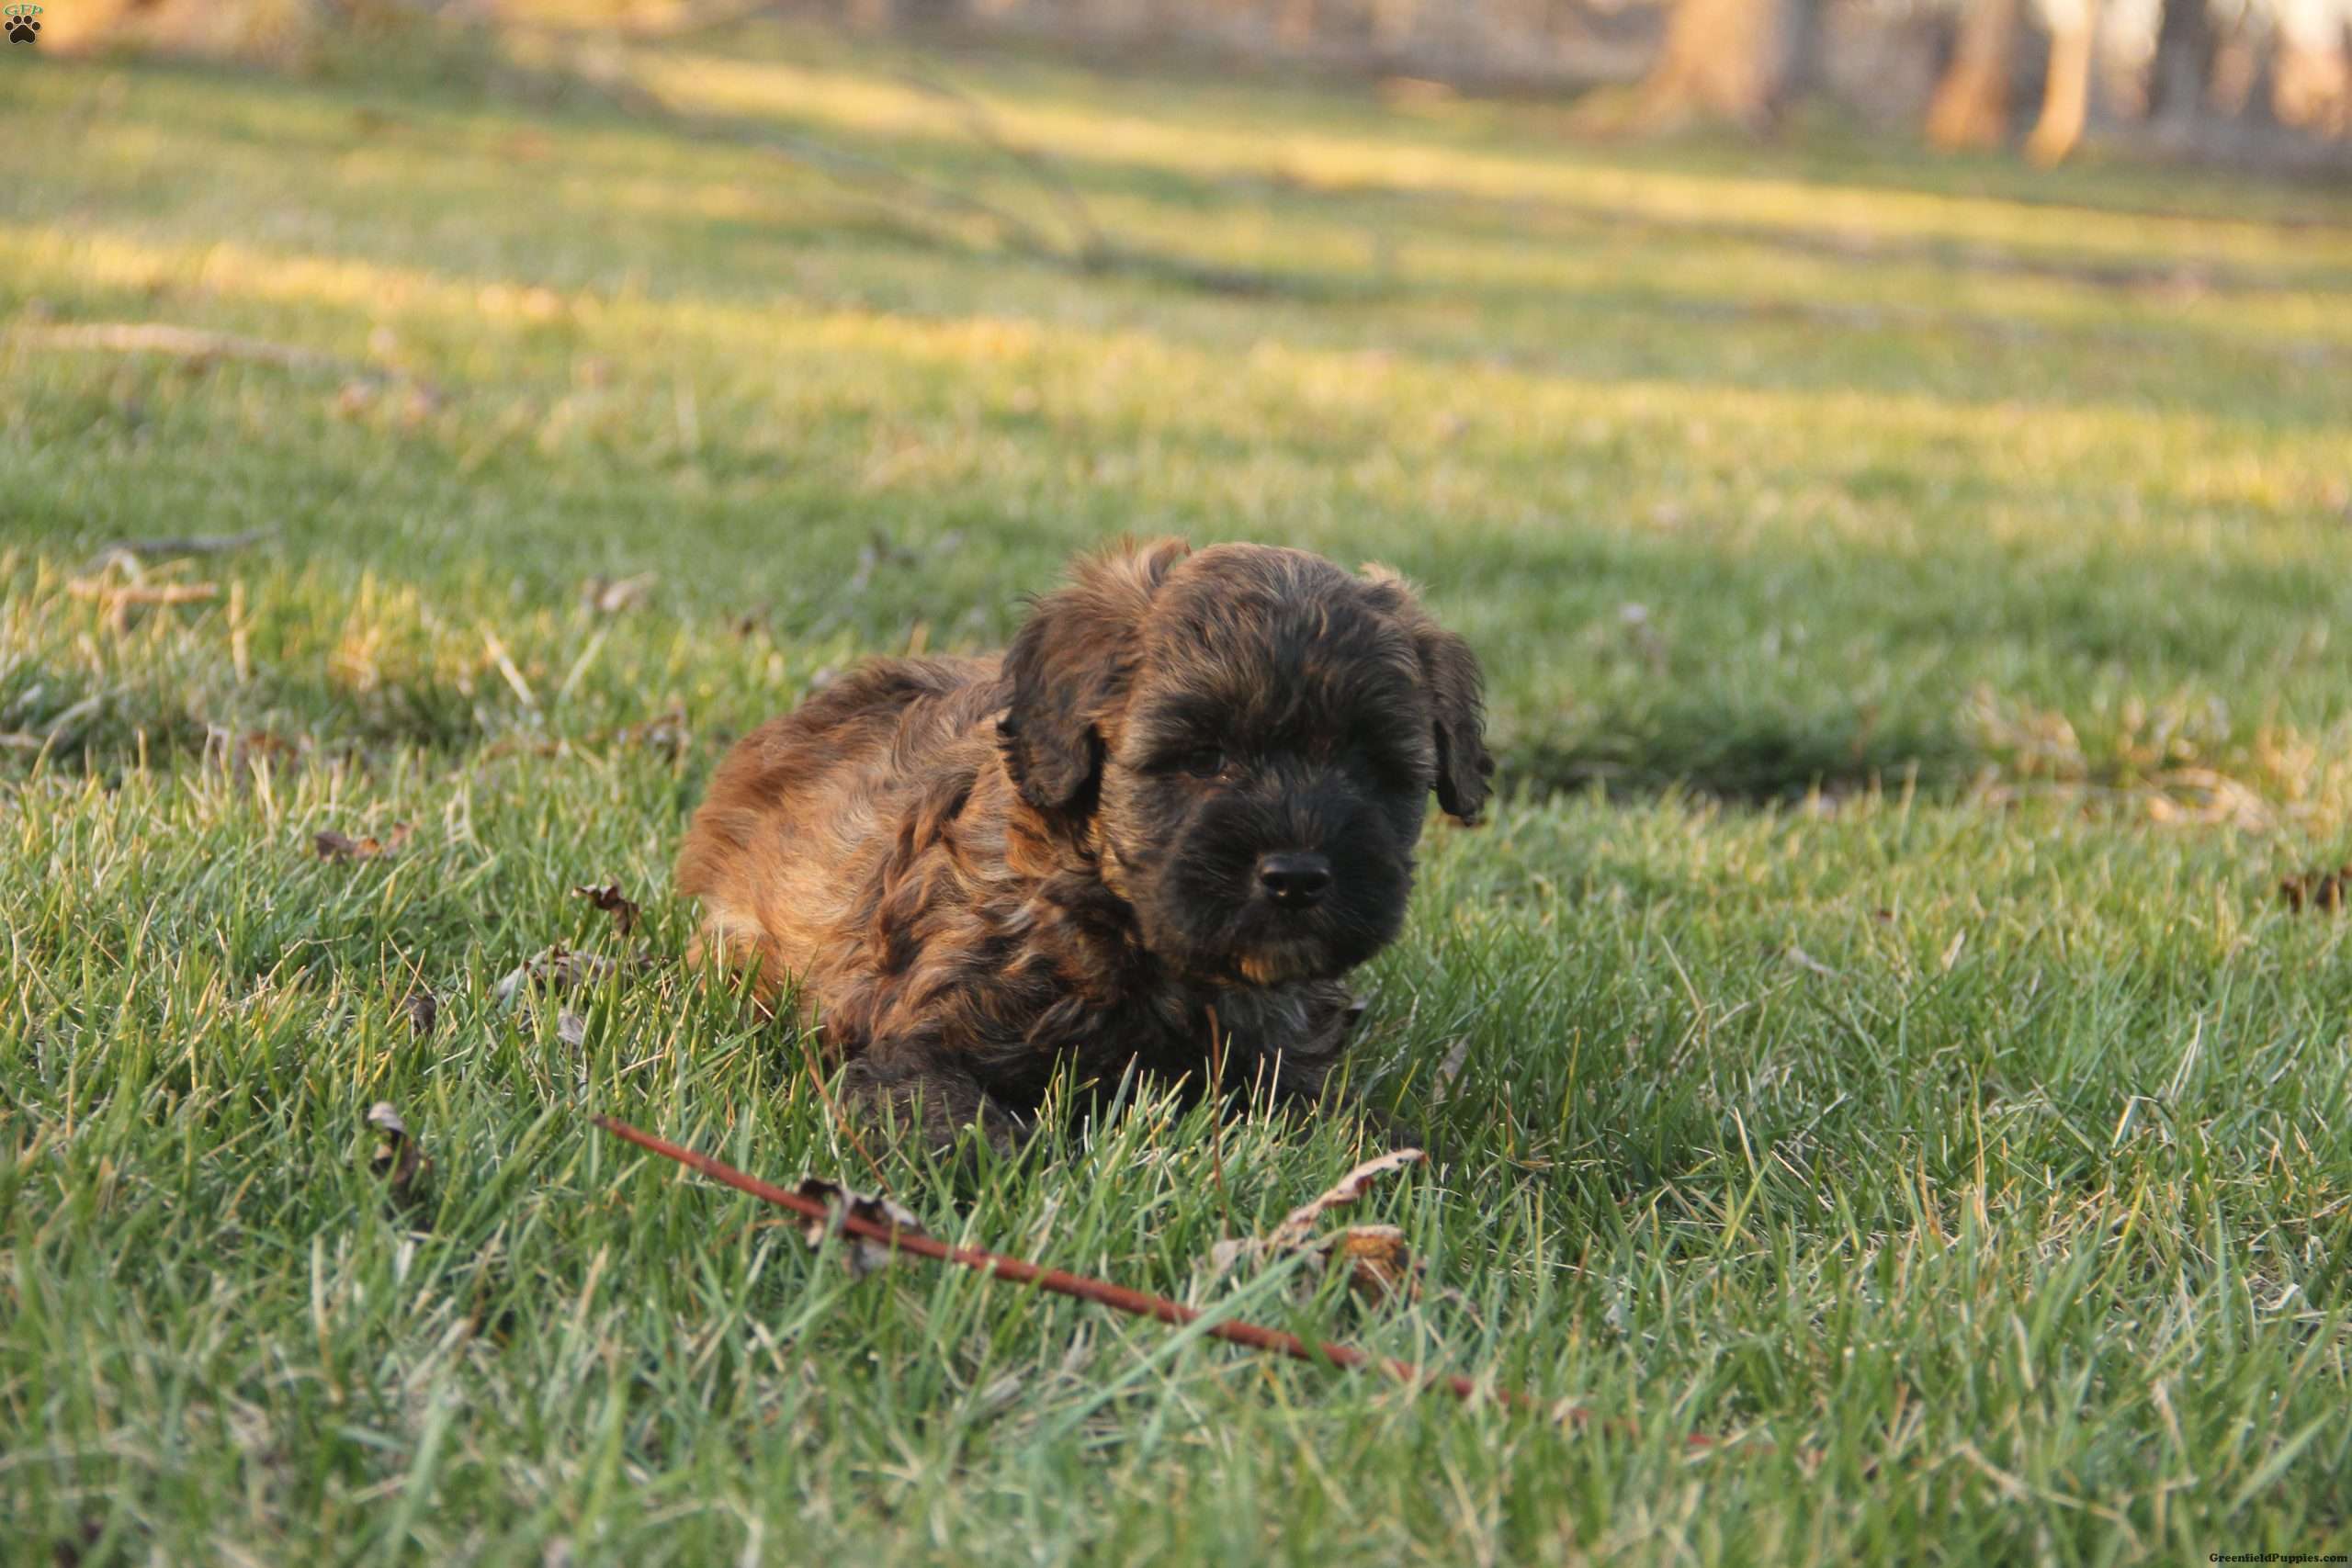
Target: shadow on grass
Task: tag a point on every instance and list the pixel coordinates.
(1741, 759)
(1738, 756)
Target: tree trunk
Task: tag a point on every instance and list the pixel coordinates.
(2184, 63)
(2310, 83)
(1799, 72)
(1970, 107)
(1394, 23)
(1297, 24)
(1717, 63)
(2067, 90)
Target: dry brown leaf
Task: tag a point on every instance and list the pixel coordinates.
(608, 897)
(861, 1254)
(240, 751)
(398, 1161)
(611, 596)
(668, 733)
(1449, 1072)
(1809, 963)
(2318, 889)
(332, 845)
(420, 402)
(1380, 1267)
(1347, 1189)
(556, 968)
(423, 1010)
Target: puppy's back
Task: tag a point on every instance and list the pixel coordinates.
(800, 807)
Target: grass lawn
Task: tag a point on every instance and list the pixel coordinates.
(1916, 598)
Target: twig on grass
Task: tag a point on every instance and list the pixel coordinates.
(1102, 1292)
(115, 599)
(143, 593)
(178, 342)
(184, 544)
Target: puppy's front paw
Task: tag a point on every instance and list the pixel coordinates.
(926, 1101)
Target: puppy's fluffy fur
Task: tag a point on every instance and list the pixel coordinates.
(1191, 788)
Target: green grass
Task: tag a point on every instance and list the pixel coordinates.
(1914, 596)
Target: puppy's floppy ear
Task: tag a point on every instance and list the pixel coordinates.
(1458, 698)
(1449, 674)
(1069, 668)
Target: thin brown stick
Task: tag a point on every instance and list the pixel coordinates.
(143, 593)
(1102, 1292)
(1142, 1304)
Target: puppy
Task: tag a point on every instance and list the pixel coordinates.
(1154, 834)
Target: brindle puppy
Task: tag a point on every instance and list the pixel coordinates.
(1190, 789)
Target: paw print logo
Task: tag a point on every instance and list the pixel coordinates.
(23, 25)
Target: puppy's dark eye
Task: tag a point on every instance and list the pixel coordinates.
(1205, 763)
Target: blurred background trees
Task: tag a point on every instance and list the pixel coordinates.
(2264, 81)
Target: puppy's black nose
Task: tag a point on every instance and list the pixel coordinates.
(1296, 881)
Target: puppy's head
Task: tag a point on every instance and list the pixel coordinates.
(1247, 738)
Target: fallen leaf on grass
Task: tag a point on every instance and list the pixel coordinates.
(240, 751)
(420, 402)
(666, 733)
(611, 596)
(608, 897)
(1809, 963)
(2318, 889)
(334, 846)
(72, 1550)
(556, 968)
(1346, 1191)
(1449, 1072)
(861, 1254)
(1380, 1267)
(417, 399)
(398, 1160)
(423, 1010)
